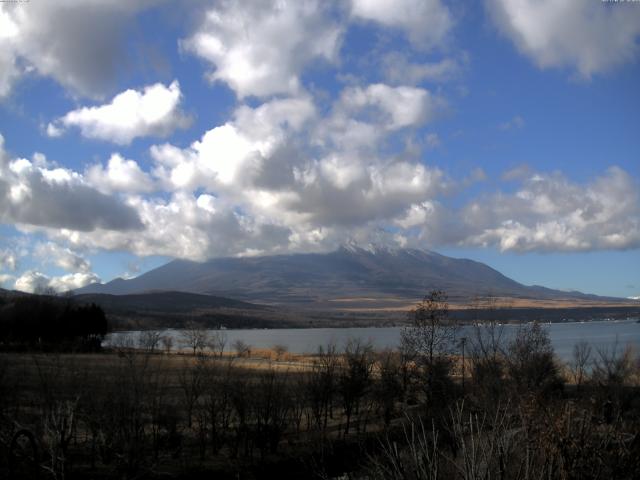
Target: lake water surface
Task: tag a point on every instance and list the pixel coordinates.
(600, 334)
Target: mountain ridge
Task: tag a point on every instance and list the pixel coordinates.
(347, 277)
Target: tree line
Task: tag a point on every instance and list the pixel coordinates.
(51, 323)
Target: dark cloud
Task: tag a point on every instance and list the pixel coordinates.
(80, 44)
(32, 199)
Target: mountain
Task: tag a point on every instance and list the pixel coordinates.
(349, 278)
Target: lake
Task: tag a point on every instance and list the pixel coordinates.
(600, 334)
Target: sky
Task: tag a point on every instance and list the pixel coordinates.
(505, 131)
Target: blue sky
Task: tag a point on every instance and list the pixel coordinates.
(502, 131)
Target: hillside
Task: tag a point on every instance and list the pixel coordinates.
(176, 309)
(165, 302)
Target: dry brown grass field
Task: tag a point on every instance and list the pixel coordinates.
(272, 414)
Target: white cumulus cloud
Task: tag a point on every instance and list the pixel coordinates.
(62, 257)
(260, 47)
(33, 281)
(9, 71)
(400, 106)
(426, 22)
(154, 111)
(8, 259)
(119, 175)
(550, 213)
(589, 37)
(230, 153)
(6, 280)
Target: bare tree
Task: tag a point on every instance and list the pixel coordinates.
(580, 361)
(271, 408)
(355, 377)
(431, 333)
(487, 348)
(408, 370)
(122, 343)
(280, 350)
(217, 342)
(217, 400)
(195, 337)
(432, 336)
(419, 459)
(191, 378)
(388, 388)
(613, 365)
(123, 413)
(241, 348)
(322, 385)
(149, 340)
(46, 290)
(59, 430)
(530, 360)
(299, 400)
(487, 340)
(167, 343)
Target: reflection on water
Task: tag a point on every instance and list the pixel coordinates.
(600, 334)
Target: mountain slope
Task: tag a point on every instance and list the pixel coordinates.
(164, 301)
(177, 309)
(348, 277)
